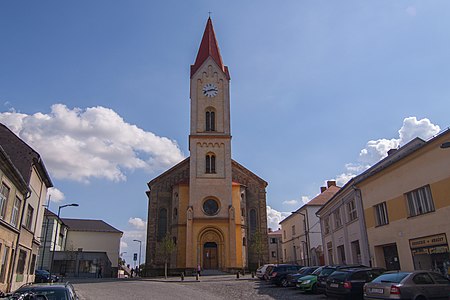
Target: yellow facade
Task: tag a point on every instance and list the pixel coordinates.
(395, 243)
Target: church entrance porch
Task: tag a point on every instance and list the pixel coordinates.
(210, 260)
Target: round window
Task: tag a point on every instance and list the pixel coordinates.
(210, 207)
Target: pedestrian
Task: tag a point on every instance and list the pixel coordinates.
(199, 269)
(99, 274)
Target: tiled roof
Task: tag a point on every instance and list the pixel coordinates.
(22, 155)
(322, 198)
(209, 48)
(89, 225)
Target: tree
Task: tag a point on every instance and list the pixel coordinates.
(166, 246)
(257, 245)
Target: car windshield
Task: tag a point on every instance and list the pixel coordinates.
(317, 271)
(339, 275)
(391, 277)
(327, 271)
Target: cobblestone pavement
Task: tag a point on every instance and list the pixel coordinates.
(207, 288)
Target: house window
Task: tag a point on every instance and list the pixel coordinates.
(162, 224)
(337, 219)
(4, 194)
(273, 240)
(29, 217)
(341, 254)
(356, 251)
(381, 215)
(420, 201)
(293, 230)
(210, 163)
(210, 120)
(15, 212)
(274, 254)
(33, 264)
(351, 210)
(3, 262)
(21, 262)
(326, 225)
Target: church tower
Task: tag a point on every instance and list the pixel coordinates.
(210, 184)
(209, 205)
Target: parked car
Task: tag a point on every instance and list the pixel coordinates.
(349, 283)
(327, 270)
(52, 291)
(292, 278)
(268, 270)
(279, 273)
(308, 283)
(262, 270)
(43, 276)
(408, 285)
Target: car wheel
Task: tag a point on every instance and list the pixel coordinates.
(314, 289)
(284, 282)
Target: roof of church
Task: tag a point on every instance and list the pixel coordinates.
(209, 48)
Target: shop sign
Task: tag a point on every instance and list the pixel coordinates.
(428, 241)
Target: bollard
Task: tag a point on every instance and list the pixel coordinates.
(182, 276)
(253, 274)
(237, 275)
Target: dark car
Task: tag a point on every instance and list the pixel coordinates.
(53, 291)
(43, 276)
(279, 273)
(292, 278)
(327, 270)
(349, 283)
(408, 285)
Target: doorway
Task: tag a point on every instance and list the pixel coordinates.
(391, 257)
(210, 260)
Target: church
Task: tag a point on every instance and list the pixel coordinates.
(211, 207)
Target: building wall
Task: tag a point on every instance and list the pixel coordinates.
(108, 242)
(275, 249)
(292, 241)
(429, 165)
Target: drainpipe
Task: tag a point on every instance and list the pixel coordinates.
(363, 228)
(13, 265)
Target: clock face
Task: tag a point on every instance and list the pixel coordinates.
(210, 90)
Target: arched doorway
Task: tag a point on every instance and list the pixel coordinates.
(210, 256)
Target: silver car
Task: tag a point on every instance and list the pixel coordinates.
(416, 285)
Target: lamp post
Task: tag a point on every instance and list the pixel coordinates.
(56, 233)
(306, 226)
(140, 244)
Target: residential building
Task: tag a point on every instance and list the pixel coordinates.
(13, 192)
(344, 237)
(89, 245)
(211, 206)
(302, 242)
(407, 207)
(32, 169)
(275, 250)
(52, 227)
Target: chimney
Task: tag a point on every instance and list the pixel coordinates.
(270, 229)
(322, 189)
(391, 151)
(331, 183)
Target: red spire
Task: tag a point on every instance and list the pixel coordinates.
(209, 47)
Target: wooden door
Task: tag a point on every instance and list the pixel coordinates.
(210, 256)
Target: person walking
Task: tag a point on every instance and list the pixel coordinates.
(99, 274)
(199, 269)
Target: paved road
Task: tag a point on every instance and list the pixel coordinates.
(208, 288)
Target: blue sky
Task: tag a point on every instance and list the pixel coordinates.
(320, 90)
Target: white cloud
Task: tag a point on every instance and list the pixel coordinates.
(138, 223)
(95, 142)
(55, 195)
(290, 202)
(376, 150)
(305, 199)
(274, 217)
(123, 245)
(411, 10)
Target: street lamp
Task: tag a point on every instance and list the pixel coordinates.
(56, 233)
(140, 244)
(306, 226)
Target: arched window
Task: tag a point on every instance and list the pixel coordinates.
(162, 224)
(210, 161)
(253, 221)
(210, 120)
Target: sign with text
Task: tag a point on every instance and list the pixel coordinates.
(428, 241)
